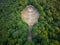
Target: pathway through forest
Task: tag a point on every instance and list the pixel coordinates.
(30, 16)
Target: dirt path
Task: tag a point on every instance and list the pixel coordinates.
(30, 16)
(30, 33)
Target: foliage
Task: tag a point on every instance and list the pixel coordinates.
(13, 31)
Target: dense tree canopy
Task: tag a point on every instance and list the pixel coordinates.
(13, 31)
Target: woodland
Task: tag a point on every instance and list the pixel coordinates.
(13, 31)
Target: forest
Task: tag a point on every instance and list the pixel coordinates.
(13, 31)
